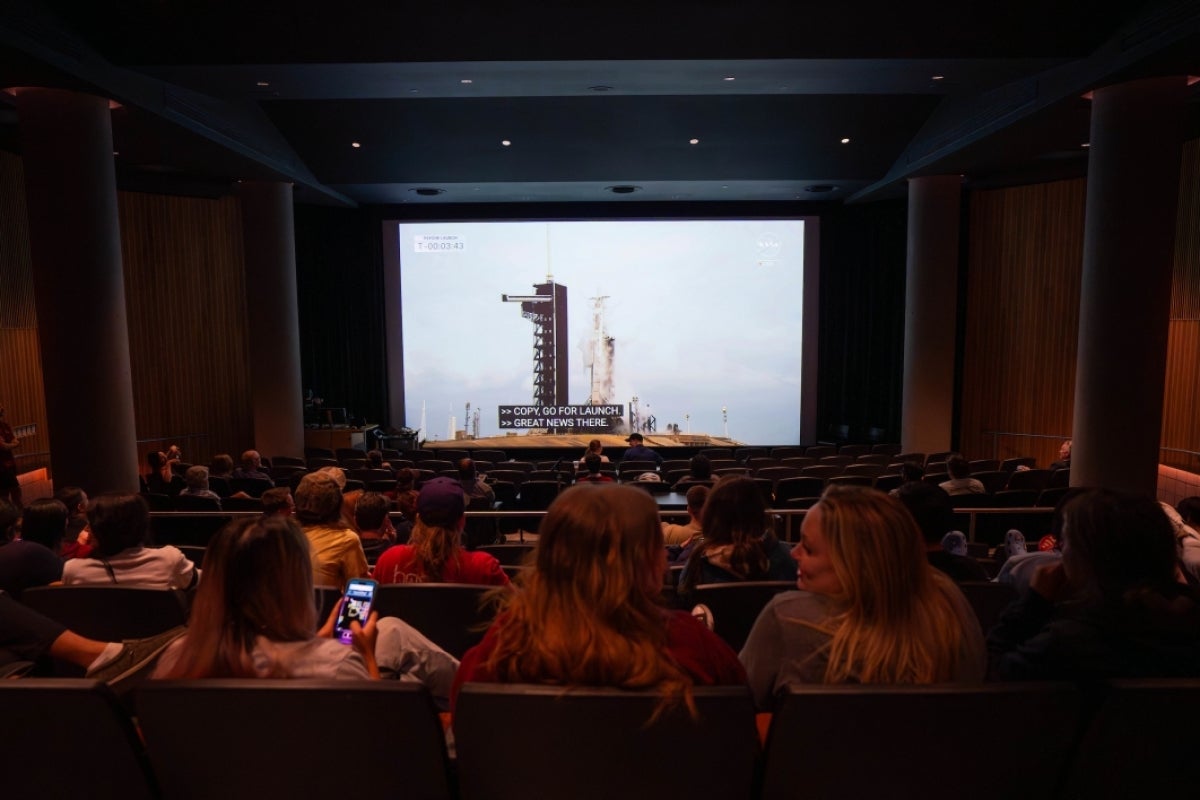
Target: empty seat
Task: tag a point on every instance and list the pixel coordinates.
(251, 486)
(787, 489)
(452, 615)
(109, 613)
(882, 459)
(1010, 464)
(988, 600)
(823, 471)
(187, 502)
(821, 450)
(599, 744)
(886, 448)
(1032, 479)
(998, 741)
(494, 456)
(260, 738)
(869, 470)
(798, 462)
(853, 450)
(786, 452)
(992, 480)
(287, 461)
(983, 465)
(45, 718)
(852, 480)
(838, 460)
(736, 605)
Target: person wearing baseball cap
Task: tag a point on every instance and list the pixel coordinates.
(435, 553)
(638, 451)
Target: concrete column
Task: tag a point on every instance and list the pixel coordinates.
(79, 287)
(273, 318)
(931, 313)
(1125, 296)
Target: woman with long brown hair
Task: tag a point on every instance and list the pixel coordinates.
(739, 542)
(587, 613)
(871, 609)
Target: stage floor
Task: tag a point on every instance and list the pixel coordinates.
(579, 440)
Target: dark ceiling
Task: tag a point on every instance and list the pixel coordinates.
(594, 96)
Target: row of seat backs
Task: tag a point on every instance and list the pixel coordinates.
(452, 615)
(277, 738)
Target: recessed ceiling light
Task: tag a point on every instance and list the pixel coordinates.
(355, 145)
(263, 83)
(937, 77)
(466, 80)
(1086, 144)
(845, 140)
(505, 142)
(693, 141)
(729, 78)
(116, 152)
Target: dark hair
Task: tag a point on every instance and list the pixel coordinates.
(155, 459)
(275, 499)
(592, 462)
(72, 497)
(930, 507)
(697, 496)
(371, 510)
(406, 479)
(912, 471)
(222, 464)
(375, 458)
(958, 467)
(1117, 542)
(119, 521)
(44, 521)
(734, 514)
(1189, 510)
(8, 519)
(466, 469)
(700, 467)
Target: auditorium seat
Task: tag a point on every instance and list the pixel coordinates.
(881, 459)
(992, 480)
(1011, 464)
(819, 451)
(450, 614)
(251, 486)
(871, 471)
(494, 456)
(823, 471)
(1050, 497)
(453, 456)
(803, 486)
(983, 465)
(282, 473)
(66, 738)
(187, 502)
(852, 480)
(931, 742)
(888, 448)
(242, 504)
(1137, 743)
(736, 605)
(287, 461)
(744, 454)
(786, 452)
(512, 554)
(1033, 479)
(988, 600)
(320, 462)
(887, 482)
(853, 450)
(251, 739)
(599, 744)
(797, 462)
(718, 453)
(108, 613)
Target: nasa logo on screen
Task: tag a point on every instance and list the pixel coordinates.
(769, 246)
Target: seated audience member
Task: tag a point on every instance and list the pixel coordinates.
(1186, 533)
(1113, 607)
(10, 483)
(405, 497)
(33, 559)
(681, 535)
(961, 481)
(591, 463)
(587, 612)
(375, 460)
(77, 542)
(931, 509)
(472, 483)
(278, 501)
(638, 451)
(161, 479)
(739, 543)
(594, 447)
(373, 524)
(911, 472)
(871, 609)
(252, 467)
(221, 466)
(435, 553)
(254, 617)
(699, 473)
(121, 534)
(27, 636)
(1064, 457)
(196, 479)
(349, 499)
(337, 553)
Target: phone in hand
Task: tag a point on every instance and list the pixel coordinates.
(355, 607)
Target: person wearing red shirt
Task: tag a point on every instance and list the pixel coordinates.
(588, 614)
(435, 553)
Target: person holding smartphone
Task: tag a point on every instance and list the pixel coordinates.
(254, 616)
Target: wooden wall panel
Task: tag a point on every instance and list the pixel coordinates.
(1024, 262)
(21, 391)
(185, 290)
(1185, 292)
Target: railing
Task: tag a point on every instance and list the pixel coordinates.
(791, 518)
(1190, 459)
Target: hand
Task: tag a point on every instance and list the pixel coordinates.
(1050, 581)
(363, 637)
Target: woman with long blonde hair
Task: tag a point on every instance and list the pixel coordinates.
(588, 614)
(871, 609)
